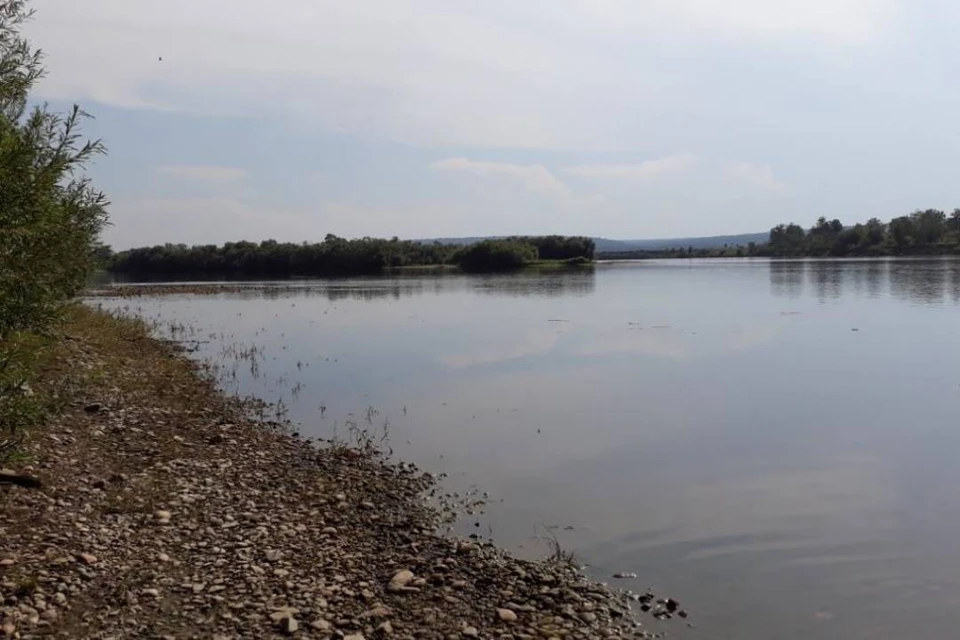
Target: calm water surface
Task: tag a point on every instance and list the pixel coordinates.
(776, 444)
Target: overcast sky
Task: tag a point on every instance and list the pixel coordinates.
(292, 119)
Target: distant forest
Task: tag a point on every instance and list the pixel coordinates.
(340, 256)
(928, 232)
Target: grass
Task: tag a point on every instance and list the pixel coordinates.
(557, 553)
(561, 264)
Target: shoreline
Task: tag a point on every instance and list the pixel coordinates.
(168, 511)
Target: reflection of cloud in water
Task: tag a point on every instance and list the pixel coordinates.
(782, 510)
(676, 344)
(531, 344)
(766, 502)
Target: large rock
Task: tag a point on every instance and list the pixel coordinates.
(506, 615)
(400, 580)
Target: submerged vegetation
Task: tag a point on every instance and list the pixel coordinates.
(50, 218)
(340, 256)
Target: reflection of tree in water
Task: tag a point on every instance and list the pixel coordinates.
(875, 272)
(386, 290)
(920, 280)
(915, 280)
(826, 277)
(865, 276)
(954, 271)
(528, 283)
(786, 278)
(550, 284)
(365, 291)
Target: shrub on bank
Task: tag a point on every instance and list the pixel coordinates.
(496, 255)
(50, 217)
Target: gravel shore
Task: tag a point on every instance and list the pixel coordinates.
(166, 511)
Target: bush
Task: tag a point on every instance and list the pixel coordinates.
(496, 255)
(560, 247)
(50, 217)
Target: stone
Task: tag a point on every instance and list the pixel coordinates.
(506, 615)
(386, 628)
(153, 593)
(7, 562)
(50, 615)
(290, 626)
(588, 616)
(400, 580)
(88, 558)
(377, 612)
(471, 632)
(163, 517)
(163, 557)
(355, 636)
(330, 530)
(320, 625)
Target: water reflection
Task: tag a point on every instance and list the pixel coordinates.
(826, 276)
(923, 281)
(715, 426)
(786, 278)
(579, 282)
(954, 269)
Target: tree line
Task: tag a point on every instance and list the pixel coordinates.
(341, 256)
(923, 232)
(929, 231)
(50, 218)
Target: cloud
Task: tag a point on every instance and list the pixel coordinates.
(205, 174)
(757, 176)
(840, 22)
(565, 74)
(535, 178)
(647, 170)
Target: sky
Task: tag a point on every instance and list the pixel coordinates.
(233, 119)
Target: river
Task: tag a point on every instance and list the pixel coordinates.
(774, 443)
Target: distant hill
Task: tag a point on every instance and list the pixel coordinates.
(606, 245)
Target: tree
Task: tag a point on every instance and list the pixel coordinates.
(787, 240)
(902, 230)
(955, 221)
(496, 255)
(50, 215)
(929, 225)
(875, 232)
